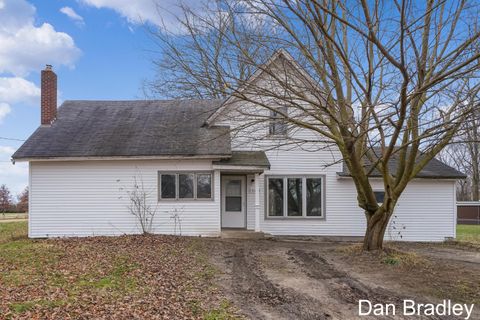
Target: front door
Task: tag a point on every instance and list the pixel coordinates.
(233, 202)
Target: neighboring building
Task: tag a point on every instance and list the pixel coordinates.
(468, 212)
(200, 160)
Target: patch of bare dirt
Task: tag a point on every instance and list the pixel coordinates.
(430, 271)
(295, 280)
(342, 286)
(259, 297)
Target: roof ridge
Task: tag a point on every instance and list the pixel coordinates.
(140, 100)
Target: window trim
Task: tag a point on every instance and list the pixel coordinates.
(177, 185)
(304, 197)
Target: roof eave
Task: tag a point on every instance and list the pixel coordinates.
(241, 168)
(155, 157)
(439, 177)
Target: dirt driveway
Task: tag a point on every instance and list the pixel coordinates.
(302, 280)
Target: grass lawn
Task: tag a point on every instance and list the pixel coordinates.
(468, 233)
(146, 277)
(13, 231)
(10, 215)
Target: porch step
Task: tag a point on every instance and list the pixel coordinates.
(244, 234)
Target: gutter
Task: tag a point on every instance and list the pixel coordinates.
(342, 175)
(90, 158)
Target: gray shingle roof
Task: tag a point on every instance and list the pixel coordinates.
(129, 128)
(435, 169)
(246, 158)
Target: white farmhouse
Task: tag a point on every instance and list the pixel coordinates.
(198, 159)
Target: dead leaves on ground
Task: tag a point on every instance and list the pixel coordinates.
(134, 277)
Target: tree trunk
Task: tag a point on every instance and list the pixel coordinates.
(376, 226)
(475, 174)
(475, 187)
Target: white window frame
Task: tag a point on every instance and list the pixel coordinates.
(285, 196)
(177, 185)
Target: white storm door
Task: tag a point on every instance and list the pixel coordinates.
(233, 202)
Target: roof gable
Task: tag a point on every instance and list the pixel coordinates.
(260, 72)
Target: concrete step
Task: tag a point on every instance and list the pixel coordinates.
(243, 234)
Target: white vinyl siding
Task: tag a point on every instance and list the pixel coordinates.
(83, 198)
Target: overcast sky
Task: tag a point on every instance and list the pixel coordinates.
(98, 48)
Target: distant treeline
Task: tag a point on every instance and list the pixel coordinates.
(10, 203)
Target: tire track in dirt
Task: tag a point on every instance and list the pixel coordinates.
(343, 287)
(257, 294)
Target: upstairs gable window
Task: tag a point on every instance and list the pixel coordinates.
(278, 125)
(379, 196)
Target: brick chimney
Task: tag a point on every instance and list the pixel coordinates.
(48, 95)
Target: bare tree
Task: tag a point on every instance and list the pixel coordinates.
(463, 153)
(383, 81)
(473, 146)
(22, 203)
(139, 203)
(193, 65)
(456, 155)
(5, 199)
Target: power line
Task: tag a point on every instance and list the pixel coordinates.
(11, 139)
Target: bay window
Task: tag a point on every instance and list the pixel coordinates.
(295, 196)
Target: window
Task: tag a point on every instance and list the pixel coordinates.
(295, 196)
(185, 185)
(204, 185)
(168, 186)
(278, 126)
(233, 196)
(314, 197)
(379, 196)
(275, 197)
